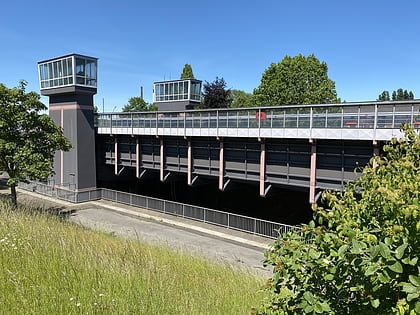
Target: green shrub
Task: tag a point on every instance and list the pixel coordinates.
(360, 254)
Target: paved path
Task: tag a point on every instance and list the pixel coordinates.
(219, 244)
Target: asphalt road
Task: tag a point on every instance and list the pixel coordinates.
(241, 250)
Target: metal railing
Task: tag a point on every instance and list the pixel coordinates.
(225, 219)
(367, 115)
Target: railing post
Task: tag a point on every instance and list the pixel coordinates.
(255, 226)
(228, 220)
(326, 118)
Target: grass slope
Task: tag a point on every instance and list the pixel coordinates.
(49, 266)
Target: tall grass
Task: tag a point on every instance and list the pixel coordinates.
(49, 266)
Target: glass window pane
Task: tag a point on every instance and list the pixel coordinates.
(70, 66)
(80, 67)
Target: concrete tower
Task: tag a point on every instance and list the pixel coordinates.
(70, 82)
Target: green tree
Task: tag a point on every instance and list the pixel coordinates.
(296, 80)
(187, 72)
(28, 138)
(384, 96)
(360, 255)
(241, 99)
(135, 104)
(402, 95)
(215, 94)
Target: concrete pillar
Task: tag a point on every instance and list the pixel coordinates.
(312, 178)
(115, 155)
(138, 158)
(262, 168)
(221, 164)
(162, 161)
(189, 162)
(375, 152)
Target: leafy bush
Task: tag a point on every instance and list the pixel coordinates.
(360, 254)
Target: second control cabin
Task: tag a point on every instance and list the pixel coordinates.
(176, 95)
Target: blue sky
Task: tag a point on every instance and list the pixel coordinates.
(369, 45)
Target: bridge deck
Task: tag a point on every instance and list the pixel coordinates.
(347, 121)
(312, 146)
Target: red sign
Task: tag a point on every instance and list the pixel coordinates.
(260, 116)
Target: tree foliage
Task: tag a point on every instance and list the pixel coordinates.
(296, 80)
(398, 95)
(28, 138)
(384, 96)
(241, 99)
(187, 72)
(360, 255)
(215, 94)
(135, 104)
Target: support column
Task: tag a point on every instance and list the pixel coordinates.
(312, 178)
(375, 152)
(189, 162)
(61, 151)
(115, 155)
(162, 160)
(262, 168)
(137, 157)
(221, 164)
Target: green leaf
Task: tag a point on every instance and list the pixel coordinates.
(375, 303)
(414, 280)
(384, 250)
(374, 251)
(314, 254)
(318, 308)
(356, 247)
(371, 270)
(418, 307)
(308, 309)
(384, 277)
(409, 288)
(412, 296)
(396, 267)
(399, 252)
(413, 261)
(309, 297)
(329, 277)
(342, 250)
(326, 307)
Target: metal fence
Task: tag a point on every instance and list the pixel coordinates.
(225, 219)
(367, 115)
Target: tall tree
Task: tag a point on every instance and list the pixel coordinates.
(135, 104)
(402, 95)
(241, 99)
(384, 96)
(296, 80)
(28, 138)
(398, 95)
(187, 72)
(216, 95)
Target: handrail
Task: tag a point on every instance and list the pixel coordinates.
(362, 115)
(229, 220)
